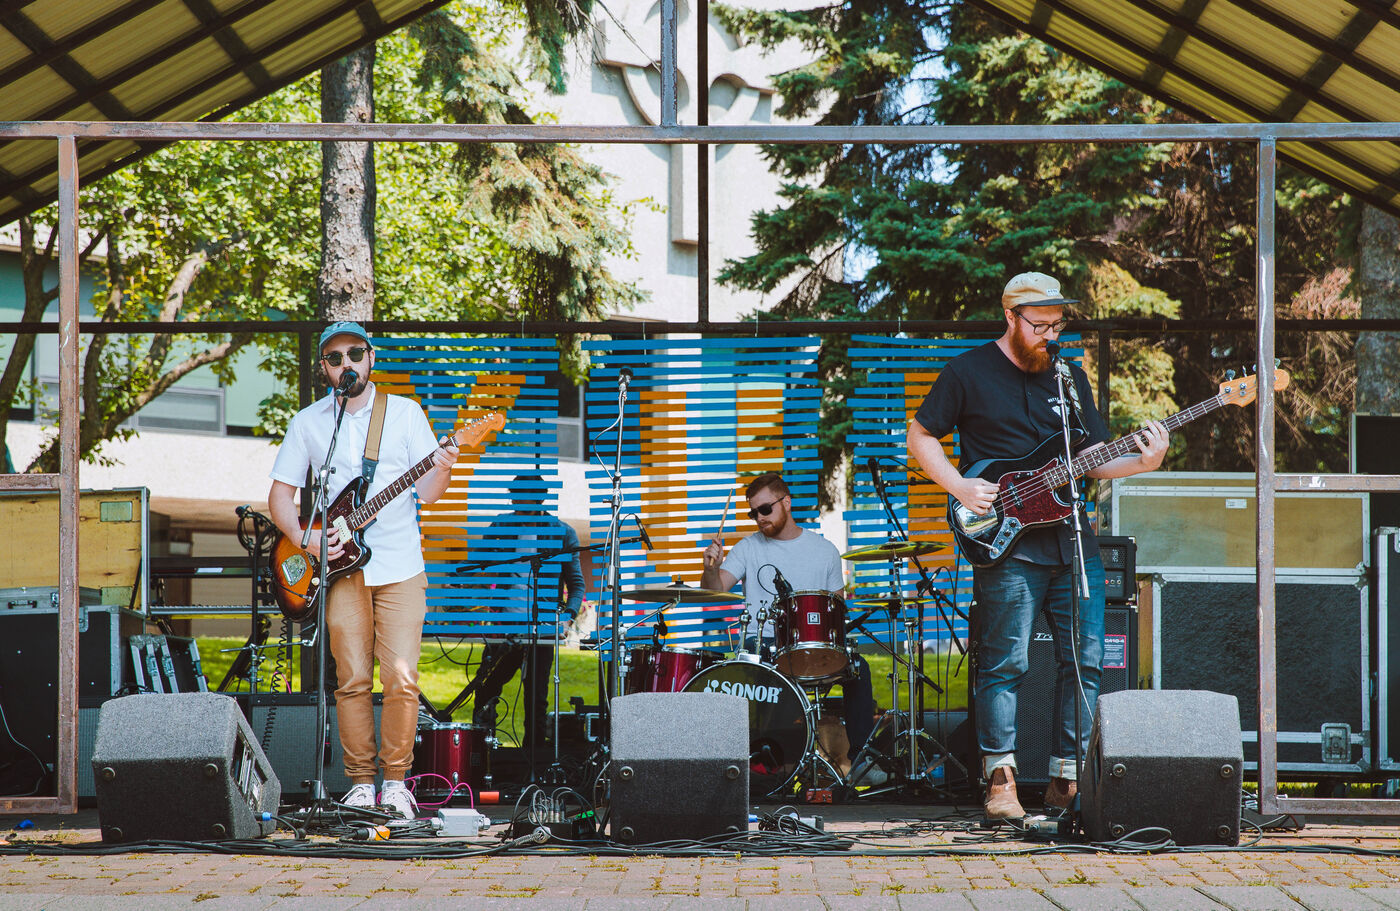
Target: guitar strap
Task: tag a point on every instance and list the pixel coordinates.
(370, 461)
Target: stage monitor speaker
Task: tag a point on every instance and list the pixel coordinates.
(680, 766)
(181, 766)
(1167, 759)
(1035, 736)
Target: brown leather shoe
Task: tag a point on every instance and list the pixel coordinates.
(1061, 792)
(1001, 800)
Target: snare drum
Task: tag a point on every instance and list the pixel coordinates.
(665, 669)
(780, 729)
(810, 630)
(454, 750)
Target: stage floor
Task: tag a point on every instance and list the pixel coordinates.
(903, 856)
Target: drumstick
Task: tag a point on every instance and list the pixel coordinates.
(725, 518)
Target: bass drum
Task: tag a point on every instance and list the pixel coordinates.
(780, 727)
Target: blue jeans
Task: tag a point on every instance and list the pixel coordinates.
(1008, 597)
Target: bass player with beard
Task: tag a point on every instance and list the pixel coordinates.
(1003, 400)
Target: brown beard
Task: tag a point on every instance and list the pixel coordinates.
(1029, 354)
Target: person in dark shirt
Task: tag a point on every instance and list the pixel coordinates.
(1002, 399)
(528, 530)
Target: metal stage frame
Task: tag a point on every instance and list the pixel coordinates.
(69, 135)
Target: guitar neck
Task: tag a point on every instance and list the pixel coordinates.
(361, 515)
(1128, 445)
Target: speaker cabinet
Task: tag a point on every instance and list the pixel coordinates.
(181, 766)
(285, 725)
(1207, 632)
(1168, 759)
(680, 766)
(1036, 697)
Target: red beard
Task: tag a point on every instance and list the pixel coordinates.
(1030, 354)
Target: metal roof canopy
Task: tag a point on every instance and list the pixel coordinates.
(159, 60)
(1248, 61)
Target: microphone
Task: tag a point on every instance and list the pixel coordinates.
(781, 584)
(1053, 349)
(243, 510)
(347, 379)
(873, 463)
(642, 529)
(624, 377)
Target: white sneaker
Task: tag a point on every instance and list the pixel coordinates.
(361, 795)
(397, 797)
(868, 774)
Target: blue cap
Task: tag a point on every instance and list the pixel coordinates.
(343, 328)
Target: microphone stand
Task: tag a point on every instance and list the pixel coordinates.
(615, 545)
(1081, 587)
(316, 786)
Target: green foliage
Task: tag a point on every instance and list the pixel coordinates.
(911, 232)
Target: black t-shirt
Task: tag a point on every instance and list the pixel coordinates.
(1002, 412)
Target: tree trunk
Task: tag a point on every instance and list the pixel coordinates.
(345, 284)
(1378, 353)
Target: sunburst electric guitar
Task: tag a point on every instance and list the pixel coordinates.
(1034, 490)
(298, 572)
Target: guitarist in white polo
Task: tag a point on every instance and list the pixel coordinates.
(1002, 398)
(377, 611)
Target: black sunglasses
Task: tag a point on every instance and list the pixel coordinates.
(766, 508)
(335, 358)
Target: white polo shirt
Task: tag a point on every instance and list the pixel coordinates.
(396, 551)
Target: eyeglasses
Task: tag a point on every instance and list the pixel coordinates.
(335, 358)
(766, 508)
(1042, 328)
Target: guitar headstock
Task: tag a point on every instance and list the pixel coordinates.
(1242, 391)
(477, 430)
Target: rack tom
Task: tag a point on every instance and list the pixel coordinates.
(809, 629)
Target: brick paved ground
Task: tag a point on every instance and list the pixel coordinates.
(1165, 882)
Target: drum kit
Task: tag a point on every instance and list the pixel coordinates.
(784, 684)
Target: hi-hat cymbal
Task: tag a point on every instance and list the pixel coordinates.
(892, 550)
(683, 594)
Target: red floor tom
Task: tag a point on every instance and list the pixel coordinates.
(452, 749)
(809, 628)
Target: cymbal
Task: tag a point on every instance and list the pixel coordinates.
(892, 550)
(891, 599)
(682, 593)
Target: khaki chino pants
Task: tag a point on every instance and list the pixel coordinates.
(384, 623)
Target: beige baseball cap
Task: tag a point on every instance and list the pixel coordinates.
(1033, 289)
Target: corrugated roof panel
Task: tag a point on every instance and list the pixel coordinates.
(156, 60)
(1379, 102)
(135, 40)
(1248, 61)
(1381, 49)
(67, 18)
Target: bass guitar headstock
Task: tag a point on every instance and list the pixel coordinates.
(1242, 391)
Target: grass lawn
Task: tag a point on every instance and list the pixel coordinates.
(443, 671)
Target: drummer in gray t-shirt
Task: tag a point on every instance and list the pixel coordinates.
(807, 562)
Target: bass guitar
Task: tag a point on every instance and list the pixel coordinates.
(1034, 489)
(298, 572)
